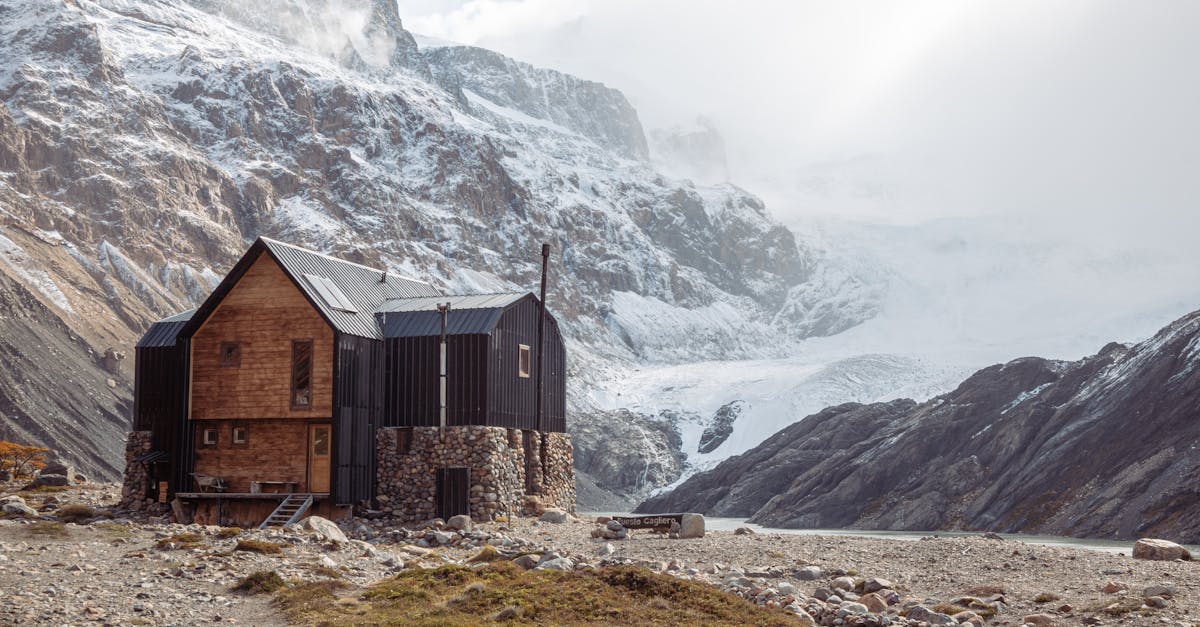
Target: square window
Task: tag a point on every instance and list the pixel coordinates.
(240, 435)
(523, 361)
(208, 437)
(231, 354)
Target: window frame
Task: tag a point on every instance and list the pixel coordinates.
(296, 370)
(230, 362)
(524, 361)
(233, 435)
(205, 432)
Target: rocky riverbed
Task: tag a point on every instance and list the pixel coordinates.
(109, 568)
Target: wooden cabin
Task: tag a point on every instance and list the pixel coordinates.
(279, 383)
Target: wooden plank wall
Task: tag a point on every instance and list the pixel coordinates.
(275, 450)
(264, 312)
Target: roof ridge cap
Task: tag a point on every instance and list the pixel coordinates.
(310, 251)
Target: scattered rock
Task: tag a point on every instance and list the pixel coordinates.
(809, 573)
(1159, 591)
(607, 549)
(1156, 602)
(1114, 587)
(855, 608)
(924, 614)
(991, 535)
(1155, 549)
(326, 529)
(461, 522)
(553, 515)
(843, 583)
(527, 561)
(873, 602)
(19, 508)
(806, 619)
(876, 584)
(48, 480)
(59, 468)
(1038, 619)
(743, 531)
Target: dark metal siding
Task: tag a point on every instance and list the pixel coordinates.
(358, 402)
(554, 389)
(513, 398)
(483, 386)
(411, 381)
(160, 400)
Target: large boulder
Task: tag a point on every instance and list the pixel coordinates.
(49, 479)
(691, 526)
(1155, 549)
(18, 508)
(57, 467)
(325, 528)
(553, 515)
(461, 522)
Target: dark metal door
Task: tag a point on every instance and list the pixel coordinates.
(453, 488)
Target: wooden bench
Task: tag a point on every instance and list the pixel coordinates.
(281, 487)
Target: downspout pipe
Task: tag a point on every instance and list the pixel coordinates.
(541, 344)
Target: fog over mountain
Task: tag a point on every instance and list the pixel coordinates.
(1065, 130)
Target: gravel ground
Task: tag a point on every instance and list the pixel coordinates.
(115, 571)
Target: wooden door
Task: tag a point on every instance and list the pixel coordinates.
(319, 447)
(453, 491)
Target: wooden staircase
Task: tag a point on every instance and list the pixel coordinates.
(289, 511)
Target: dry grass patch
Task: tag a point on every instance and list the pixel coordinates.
(260, 582)
(117, 530)
(75, 512)
(487, 554)
(259, 546)
(1046, 597)
(45, 489)
(180, 541)
(46, 529)
(326, 571)
(229, 532)
(500, 591)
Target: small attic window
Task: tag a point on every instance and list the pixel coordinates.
(523, 361)
(231, 354)
(330, 293)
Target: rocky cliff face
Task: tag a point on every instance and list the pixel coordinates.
(1102, 447)
(144, 144)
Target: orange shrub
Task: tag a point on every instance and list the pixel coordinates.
(20, 459)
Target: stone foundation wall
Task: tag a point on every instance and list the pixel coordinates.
(407, 460)
(558, 477)
(135, 482)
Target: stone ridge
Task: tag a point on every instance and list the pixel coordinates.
(1101, 447)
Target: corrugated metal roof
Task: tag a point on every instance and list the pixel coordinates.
(360, 285)
(419, 317)
(475, 301)
(164, 332)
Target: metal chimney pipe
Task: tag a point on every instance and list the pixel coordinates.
(540, 337)
(444, 309)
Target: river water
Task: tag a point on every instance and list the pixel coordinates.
(1107, 546)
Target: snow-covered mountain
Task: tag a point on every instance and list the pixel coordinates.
(1104, 446)
(143, 143)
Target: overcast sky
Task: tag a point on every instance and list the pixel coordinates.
(1075, 110)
